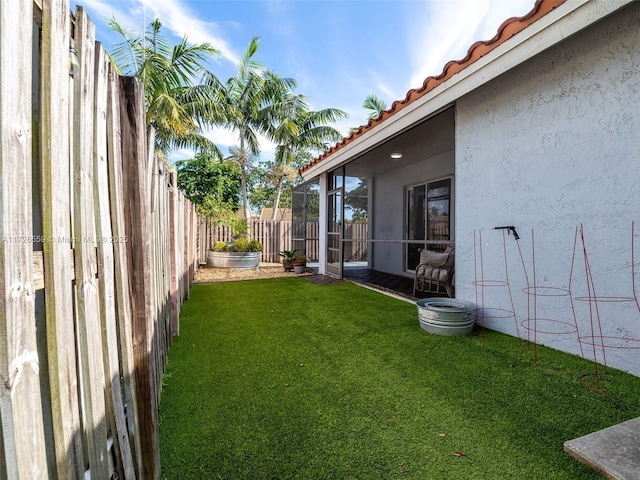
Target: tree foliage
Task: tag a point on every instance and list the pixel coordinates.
(183, 98)
(248, 101)
(177, 106)
(375, 104)
(299, 132)
(212, 185)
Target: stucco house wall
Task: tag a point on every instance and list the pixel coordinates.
(551, 147)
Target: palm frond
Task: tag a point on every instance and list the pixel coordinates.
(376, 104)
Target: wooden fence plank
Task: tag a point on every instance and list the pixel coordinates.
(138, 228)
(157, 338)
(185, 248)
(174, 291)
(21, 424)
(193, 238)
(87, 318)
(123, 301)
(124, 460)
(58, 261)
(163, 259)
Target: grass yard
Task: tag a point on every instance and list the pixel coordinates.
(283, 379)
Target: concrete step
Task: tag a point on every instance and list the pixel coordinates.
(614, 452)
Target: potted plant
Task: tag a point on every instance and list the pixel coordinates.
(287, 259)
(299, 263)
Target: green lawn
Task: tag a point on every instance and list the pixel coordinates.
(283, 378)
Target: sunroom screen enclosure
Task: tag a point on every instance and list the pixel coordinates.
(305, 224)
(377, 212)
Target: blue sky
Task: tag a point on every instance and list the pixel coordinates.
(338, 51)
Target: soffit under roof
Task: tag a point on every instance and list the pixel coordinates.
(428, 139)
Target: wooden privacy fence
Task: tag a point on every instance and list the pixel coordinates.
(355, 251)
(98, 249)
(276, 236)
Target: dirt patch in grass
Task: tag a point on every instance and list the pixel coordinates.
(207, 274)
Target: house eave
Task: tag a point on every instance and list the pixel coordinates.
(555, 26)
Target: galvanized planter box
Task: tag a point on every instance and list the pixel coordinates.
(242, 260)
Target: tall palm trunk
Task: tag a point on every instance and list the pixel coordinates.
(276, 202)
(245, 197)
(243, 186)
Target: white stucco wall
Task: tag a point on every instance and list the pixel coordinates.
(551, 147)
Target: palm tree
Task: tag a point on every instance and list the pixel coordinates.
(245, 160)
(175, 107)
(375, 104)
(248, 101)
(298, 133)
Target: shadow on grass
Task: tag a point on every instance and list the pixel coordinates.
(283, 378)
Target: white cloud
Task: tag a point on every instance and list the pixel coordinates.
(389, 93)
(181, 20)
(445, 30)
(175, 15)
(105, 11)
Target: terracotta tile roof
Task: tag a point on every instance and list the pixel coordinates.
(508, 29)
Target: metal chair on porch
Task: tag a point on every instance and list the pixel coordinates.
(435, 272)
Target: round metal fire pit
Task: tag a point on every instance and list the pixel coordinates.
(446, 316)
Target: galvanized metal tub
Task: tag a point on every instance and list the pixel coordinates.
(241, 260)
(446, 316)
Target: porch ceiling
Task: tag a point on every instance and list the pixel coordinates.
(427, 139)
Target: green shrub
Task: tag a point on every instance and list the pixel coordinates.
(240, 228)
(220, 247)
(255, 246)
(240, 245)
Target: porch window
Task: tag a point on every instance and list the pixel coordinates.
(428, 207)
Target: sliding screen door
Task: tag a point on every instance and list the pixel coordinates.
(428, 218)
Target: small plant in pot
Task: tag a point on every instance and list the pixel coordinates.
(299, 263)
(287, 259)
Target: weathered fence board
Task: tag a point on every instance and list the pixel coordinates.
(122, 276)
(20, 405)
(137, 225)
(87, 302)
(58, 262)
(106, 281)
(174, 255)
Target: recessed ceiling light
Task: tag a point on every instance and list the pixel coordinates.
(396, 155)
